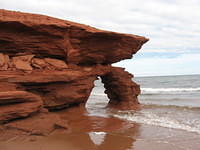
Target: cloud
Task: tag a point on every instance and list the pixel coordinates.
(181, 64)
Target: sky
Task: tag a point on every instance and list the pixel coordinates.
(173, 27)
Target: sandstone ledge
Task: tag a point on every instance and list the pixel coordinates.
(76, 43)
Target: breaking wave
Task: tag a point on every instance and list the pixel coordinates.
(168, 90)
(156, 120)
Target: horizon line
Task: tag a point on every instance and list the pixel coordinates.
(136, 76)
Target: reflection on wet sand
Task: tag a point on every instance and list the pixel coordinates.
(106, 133)
(87, 133)
(100, 132)
(83, 141)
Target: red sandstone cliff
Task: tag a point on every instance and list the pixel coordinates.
(51, 63)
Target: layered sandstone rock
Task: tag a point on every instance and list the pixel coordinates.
(39, 124)
(75, 43)
(51, 63)
(18, 104)
(120, 88)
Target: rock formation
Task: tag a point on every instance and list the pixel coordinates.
(120, 88)
(49, 64)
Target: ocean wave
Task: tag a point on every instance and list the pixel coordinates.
(168, 90)
(147, 105)
(153, 119)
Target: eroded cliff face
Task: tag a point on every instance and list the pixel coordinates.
(50, 64)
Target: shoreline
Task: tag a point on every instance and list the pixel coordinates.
(88, 132)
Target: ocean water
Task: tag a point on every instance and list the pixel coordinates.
(171, 102)
(182, 91)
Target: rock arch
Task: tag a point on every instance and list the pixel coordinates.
(58, 61)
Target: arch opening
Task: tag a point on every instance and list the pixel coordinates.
(98, 100)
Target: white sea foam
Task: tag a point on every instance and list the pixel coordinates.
(153, 119)
(167, 90)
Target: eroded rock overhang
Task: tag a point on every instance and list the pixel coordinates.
(58, 61)
(75, 43)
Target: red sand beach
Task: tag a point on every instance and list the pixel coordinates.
(105, 133)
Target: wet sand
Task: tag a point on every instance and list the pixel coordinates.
(89, 132)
